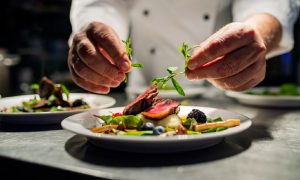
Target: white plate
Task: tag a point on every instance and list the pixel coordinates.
(170, 94)
(265, 101)
(81, 124)
(95, 101)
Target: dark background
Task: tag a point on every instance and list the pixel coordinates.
(37, 31)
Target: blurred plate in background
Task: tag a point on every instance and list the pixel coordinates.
(95, 101)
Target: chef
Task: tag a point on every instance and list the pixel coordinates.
(235, 38)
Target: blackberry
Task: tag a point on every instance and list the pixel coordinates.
(198, 115)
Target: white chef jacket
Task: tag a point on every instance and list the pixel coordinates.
(159, 27)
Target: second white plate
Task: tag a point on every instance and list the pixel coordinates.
(38, 118)
(265, 101)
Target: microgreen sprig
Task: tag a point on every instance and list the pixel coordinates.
(128, 50)
(185, 51)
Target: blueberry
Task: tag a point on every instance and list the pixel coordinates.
(158, 130)
(147, 126)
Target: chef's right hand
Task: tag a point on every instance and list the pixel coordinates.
(97, 59)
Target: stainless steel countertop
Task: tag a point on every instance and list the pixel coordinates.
(270, 149)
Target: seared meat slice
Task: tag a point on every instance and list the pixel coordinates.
(161, 108)
(46, 88)
(142, 102)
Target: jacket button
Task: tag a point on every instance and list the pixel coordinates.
(206, 17)
(146, 12)
(152, 51)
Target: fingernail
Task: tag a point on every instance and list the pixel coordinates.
(125, 66)
(120, 76)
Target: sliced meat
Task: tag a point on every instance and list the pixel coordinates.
(142, 102)
(46, 88)
(161, 108)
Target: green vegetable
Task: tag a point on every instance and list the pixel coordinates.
(130, 121)
(289, 89)
(215, 120)
(213, 130)
(189, 123)
(189, 132)
(138, 133)
(15, 109)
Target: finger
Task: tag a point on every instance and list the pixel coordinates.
(230, 64)
(106, 38)
(85, 84)
(87, 73)
(95, 60)
(256, 71)
(221, 43)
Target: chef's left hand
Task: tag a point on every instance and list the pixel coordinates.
(234, 57)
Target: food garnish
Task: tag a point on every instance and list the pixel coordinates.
(173, 71)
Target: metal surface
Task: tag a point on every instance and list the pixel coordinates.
(270, 149)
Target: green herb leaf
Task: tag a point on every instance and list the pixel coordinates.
(157, 80)
(137, 65)
(107, 119)
(128, 48)
(178, 87)
(171, 70)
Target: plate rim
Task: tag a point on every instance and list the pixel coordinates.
(235, 130)
(113, 102)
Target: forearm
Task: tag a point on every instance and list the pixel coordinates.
(268, 27)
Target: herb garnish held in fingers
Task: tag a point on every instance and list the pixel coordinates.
(128, 50)
(161, 81)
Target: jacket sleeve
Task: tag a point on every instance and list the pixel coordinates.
(114, 13)
(286, 11)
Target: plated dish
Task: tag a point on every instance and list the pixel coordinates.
(51, 105)
(154, 124)
(285, 96)
(51, 97)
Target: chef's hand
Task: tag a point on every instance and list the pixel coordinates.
(234, 57)
(97, 59)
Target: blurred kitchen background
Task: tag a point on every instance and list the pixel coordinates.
(33, 43)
